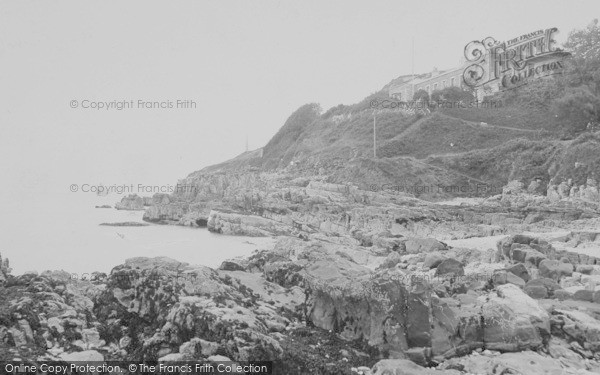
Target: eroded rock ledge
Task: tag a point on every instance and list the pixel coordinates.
(259, 204)
(324, 305)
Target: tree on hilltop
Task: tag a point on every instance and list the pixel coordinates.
(580, 104)
(421, 95)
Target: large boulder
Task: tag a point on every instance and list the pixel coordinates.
(344, 299)
(554, 269)
(584, 295)
(586, 269)
(519, 270)
(130, 202)
(432, 260)
(506, 320)
(536, 291)
(423, 245)
(541, 288)
(579, 326)
(246, 225)
(527, 255)
(450, 267)
(513, 321)
(502, 277)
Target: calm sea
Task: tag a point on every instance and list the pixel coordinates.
(63, 233)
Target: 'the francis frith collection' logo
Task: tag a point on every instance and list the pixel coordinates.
(513, 63)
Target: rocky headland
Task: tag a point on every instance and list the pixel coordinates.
(358, 281)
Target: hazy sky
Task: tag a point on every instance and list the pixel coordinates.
(247, 65)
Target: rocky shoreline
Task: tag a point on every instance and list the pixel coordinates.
(357, 281)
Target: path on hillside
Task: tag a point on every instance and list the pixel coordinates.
(459, 153)
(487, 125)
(417, 123)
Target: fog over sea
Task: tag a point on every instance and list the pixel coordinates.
(62, 232)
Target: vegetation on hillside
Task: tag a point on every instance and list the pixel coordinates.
(452, 94)
(573, 98)
(579, 161)
(541, 130)
(344, 132)
(511, 116)
(517, 159)
(280, 147)
(439, 134)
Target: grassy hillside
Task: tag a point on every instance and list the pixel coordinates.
(440, 134)
(547, 129)
(344, 132)
(514, 116)
(430, 155)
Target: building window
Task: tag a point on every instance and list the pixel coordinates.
(444, 84)
(434, 86)
(452, 83)
(428, 91)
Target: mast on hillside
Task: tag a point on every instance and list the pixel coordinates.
(375, 134)
(412, 78)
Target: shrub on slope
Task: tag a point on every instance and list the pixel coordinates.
(518, 159)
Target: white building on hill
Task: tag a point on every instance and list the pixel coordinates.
(436, 80)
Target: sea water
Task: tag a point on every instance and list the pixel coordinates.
(63, 233)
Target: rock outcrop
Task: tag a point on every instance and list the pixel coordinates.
(130, 202)
(239, 200)
(569, 190)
